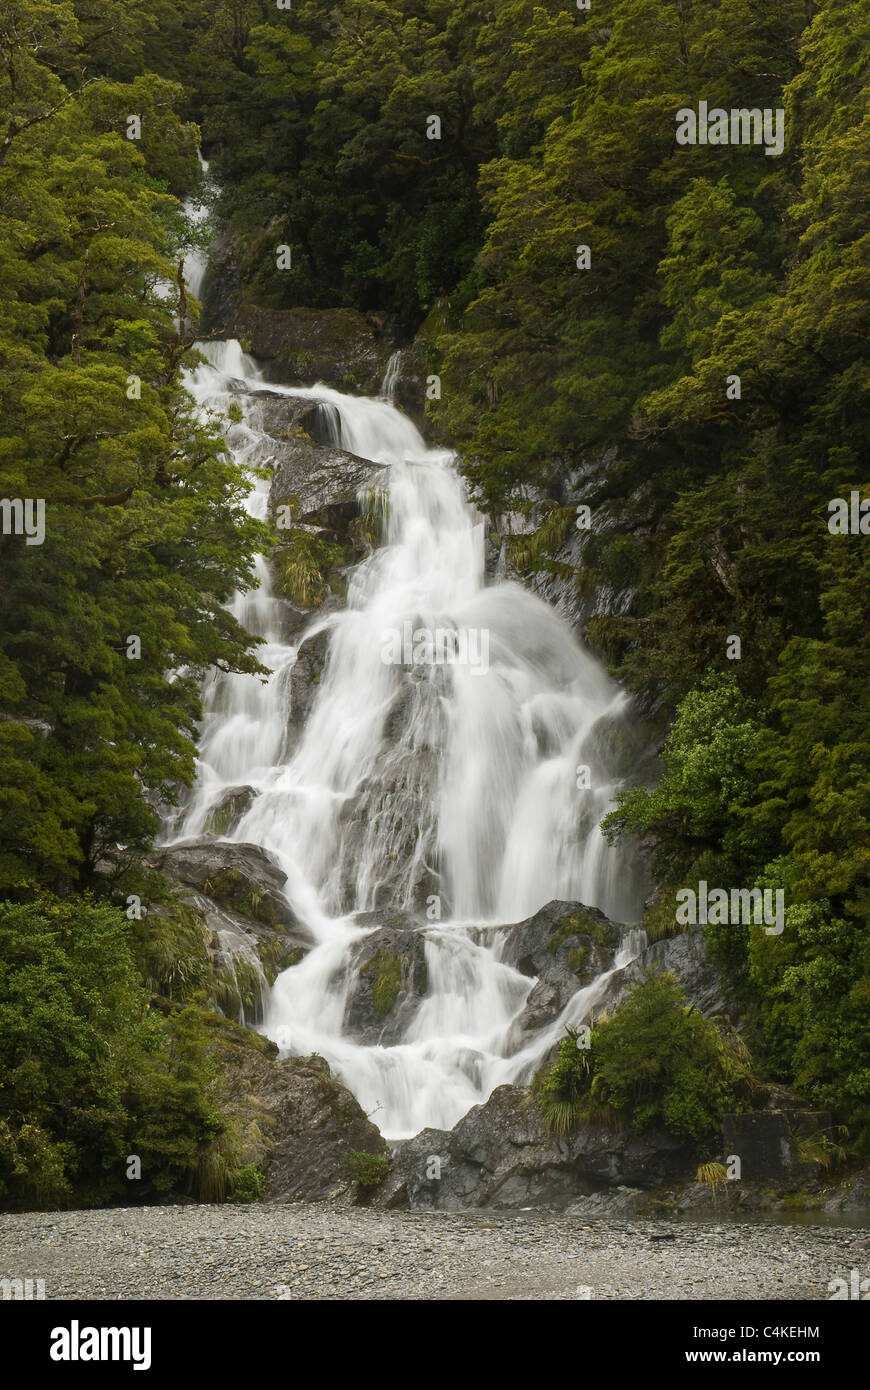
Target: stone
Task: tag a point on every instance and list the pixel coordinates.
(339, 347)
(389, 981)
(565, 945)
(301, 1122)
(500, 1155)
(766, 1141)
(685, 956)
(227, 810)
(243, 878)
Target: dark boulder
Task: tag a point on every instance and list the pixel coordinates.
(339, 347)
(565, 945)
(243, 878)
(501, 1155)
(299, 1124)
(389, 981)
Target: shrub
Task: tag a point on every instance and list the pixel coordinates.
(655, 1063)
(365, 1169)
(90, 1072)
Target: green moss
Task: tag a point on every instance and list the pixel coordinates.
(581, 924)
(578, 960)
(233, 889)
(386, 972)
(237, 989)
(276, 956)
(659, 919)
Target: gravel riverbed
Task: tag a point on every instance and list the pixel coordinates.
(305, 1251)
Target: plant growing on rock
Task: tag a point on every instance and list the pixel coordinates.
(655, 1063)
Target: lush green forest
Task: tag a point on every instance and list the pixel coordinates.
(606, 385)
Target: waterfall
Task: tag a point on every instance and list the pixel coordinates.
(433, 774)
(391, 377)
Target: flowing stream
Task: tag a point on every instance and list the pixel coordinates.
(456, 769)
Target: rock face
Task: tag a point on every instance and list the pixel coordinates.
(566, 945)
(228, 809)
(500, 1155)
(243, 877)
(389, 982)
(321, 484)
(685, 956)
(306, 674)
(301, 1121)
(317, 1124)
(766, 1141)
(340, 347)
(252, 932)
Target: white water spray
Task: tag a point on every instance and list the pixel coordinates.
(415, 783)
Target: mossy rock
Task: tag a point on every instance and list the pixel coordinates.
(386, 973)
(277, 955)
(307, 568)
(584, 924)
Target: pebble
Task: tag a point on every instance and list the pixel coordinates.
(314, 1251)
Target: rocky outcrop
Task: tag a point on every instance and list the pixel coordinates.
(321, 485)
(306, 674)
(227, 810)
(500, 1155)
(240, 877)
(565, 945)
(340, 347)
(685, 956)
(389, 981)
(251, 933)
(300, 1123)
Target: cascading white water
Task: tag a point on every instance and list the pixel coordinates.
(461, 769)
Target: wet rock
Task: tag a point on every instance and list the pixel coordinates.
(339, 347)
(853, 1195)
(227, 810)
(685, 956)
(566, 945)
(243, 878)
(321, 485)
(306, 675)
(615, 1202)
(389, 981)
(500, 1155)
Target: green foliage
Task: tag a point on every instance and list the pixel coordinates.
(249, 1185)
(365, 1169)
(306, 569)
(581, 924)
(653, 1064)
(145, 531)
(706, 759)
(90, 1073)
